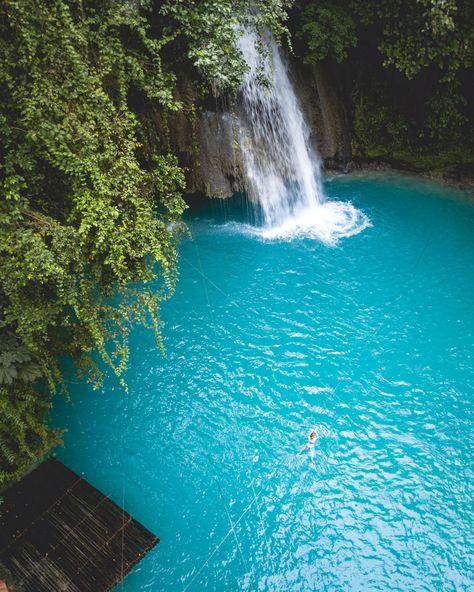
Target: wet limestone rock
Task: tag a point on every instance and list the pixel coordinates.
(219, 169)
(205, 138)
(316, 87)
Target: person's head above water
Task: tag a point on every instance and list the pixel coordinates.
(312, 435)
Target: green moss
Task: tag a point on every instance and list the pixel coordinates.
(438, 160)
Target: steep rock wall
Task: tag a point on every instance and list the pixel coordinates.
(206, 142)
(318, 91)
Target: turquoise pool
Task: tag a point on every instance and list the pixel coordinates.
(369, 341)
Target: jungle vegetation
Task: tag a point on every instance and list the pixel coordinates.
(406, 68)
(90, 208)
(91, 198)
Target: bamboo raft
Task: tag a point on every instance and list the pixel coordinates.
(60, 534)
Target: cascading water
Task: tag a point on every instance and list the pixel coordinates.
(282, 170)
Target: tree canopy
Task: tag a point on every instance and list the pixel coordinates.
(410, 35)
(408, 65)
(90, 210)
(90, 196)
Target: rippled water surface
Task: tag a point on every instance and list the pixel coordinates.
(369, 341)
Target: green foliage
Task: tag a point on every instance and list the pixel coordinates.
(89, 207)
(379, 124)
(209, 29)
(83, 213)
(24, 435)
(328, 30)
(415, 35)
(382, 128)
(410, 35)
(446, 121)
(392, 51)
(16, 362)
(382, 125)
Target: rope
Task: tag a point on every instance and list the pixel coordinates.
(214, 285)
(221, 493)
(267, 542)
(106, 544)
(232, 526)
(226, 536)
(333, 392)
(255, 496)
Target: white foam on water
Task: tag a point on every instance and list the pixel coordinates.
(328, 223)
(282, 169)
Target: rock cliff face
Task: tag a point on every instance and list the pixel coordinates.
(317, 89)
(207, 146)
(219, 171)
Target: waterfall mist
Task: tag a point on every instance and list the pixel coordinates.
(282, 170)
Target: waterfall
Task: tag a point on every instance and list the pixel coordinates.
(282, 170)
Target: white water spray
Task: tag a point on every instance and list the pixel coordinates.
(282, 170)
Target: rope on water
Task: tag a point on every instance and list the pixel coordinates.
(333, 392)
(226, 536)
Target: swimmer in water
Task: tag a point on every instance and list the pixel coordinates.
(310, 444)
